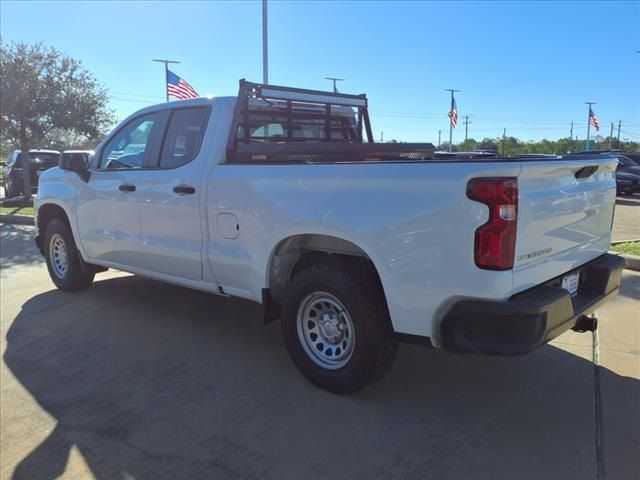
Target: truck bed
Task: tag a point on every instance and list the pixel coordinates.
(331, 152)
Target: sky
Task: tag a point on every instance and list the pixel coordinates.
(524, 66)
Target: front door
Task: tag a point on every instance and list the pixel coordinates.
(107, 205)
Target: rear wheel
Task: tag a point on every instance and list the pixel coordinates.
(337, 328)
(66, 268)
(9, 191)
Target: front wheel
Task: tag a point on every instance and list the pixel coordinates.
(336, 327)
(66, 268)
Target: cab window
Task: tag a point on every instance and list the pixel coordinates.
(130, 145)
(184, 136)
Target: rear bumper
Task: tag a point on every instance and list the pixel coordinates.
(531, 318)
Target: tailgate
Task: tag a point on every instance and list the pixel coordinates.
(565, 213)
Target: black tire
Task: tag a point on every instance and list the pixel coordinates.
(77, 275)
(375, 345)
(8, 191)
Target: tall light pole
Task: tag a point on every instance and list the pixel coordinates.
(335, 89)
(610, 135)
(504, 138)
(452, 90)
(589, 124)
(619, 125)
(265, 44)
(166, 73)
(571, 138)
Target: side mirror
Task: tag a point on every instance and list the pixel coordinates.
(76, 161)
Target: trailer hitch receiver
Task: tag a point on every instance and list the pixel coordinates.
(586, 323)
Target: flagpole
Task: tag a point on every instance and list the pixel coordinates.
(265, 43)
(588, 123)
(450, 122)
(166, 74)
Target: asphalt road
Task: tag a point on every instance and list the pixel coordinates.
(135, 379)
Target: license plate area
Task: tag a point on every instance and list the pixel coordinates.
(570, 283)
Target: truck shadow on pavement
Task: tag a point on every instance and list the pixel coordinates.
(152, 381)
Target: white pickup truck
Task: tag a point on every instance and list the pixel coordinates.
(280, 196)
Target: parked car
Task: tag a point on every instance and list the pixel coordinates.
(468, 155)
(540, 156)
(625, 164)
(69, 157)
(281, 196)
(633, 156)
(39, 161)
(627, 183)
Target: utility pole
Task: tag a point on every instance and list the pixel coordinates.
(166, 73)
(439, 138)
(619, 125)
(452, 90)
(571, 138)
(265, 44)
(381, 137)
(588, 124)
(504, 138)
(466, 127)
(335, 89)
(610, 135)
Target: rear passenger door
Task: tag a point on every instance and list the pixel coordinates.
(169, 194)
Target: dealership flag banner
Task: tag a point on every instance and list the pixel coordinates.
(453, 113)
(178, 87)
(593, 120)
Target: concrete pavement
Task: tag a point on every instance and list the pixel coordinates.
(135, 379)
(626, 224)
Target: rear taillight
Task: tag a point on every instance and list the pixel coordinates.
(495, 241)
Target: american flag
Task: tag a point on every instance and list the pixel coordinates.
(453, 113)
(593, 120)
(177, 87)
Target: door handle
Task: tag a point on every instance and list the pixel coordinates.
(184, 190)
(125, 187)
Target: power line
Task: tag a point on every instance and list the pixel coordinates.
(136, 95)
(133, 100)
(466, 127)
(334, 80)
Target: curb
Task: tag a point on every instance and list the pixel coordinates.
(16, 219)
(631, 262)
(618, 242)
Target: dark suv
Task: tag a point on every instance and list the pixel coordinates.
(39, 161)
(627, 176)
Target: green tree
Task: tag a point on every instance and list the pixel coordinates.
(488, 144)
(44, 92)
(468, 145)
(512, 146)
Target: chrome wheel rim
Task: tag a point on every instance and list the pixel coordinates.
(325, 330)
(58, 255)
